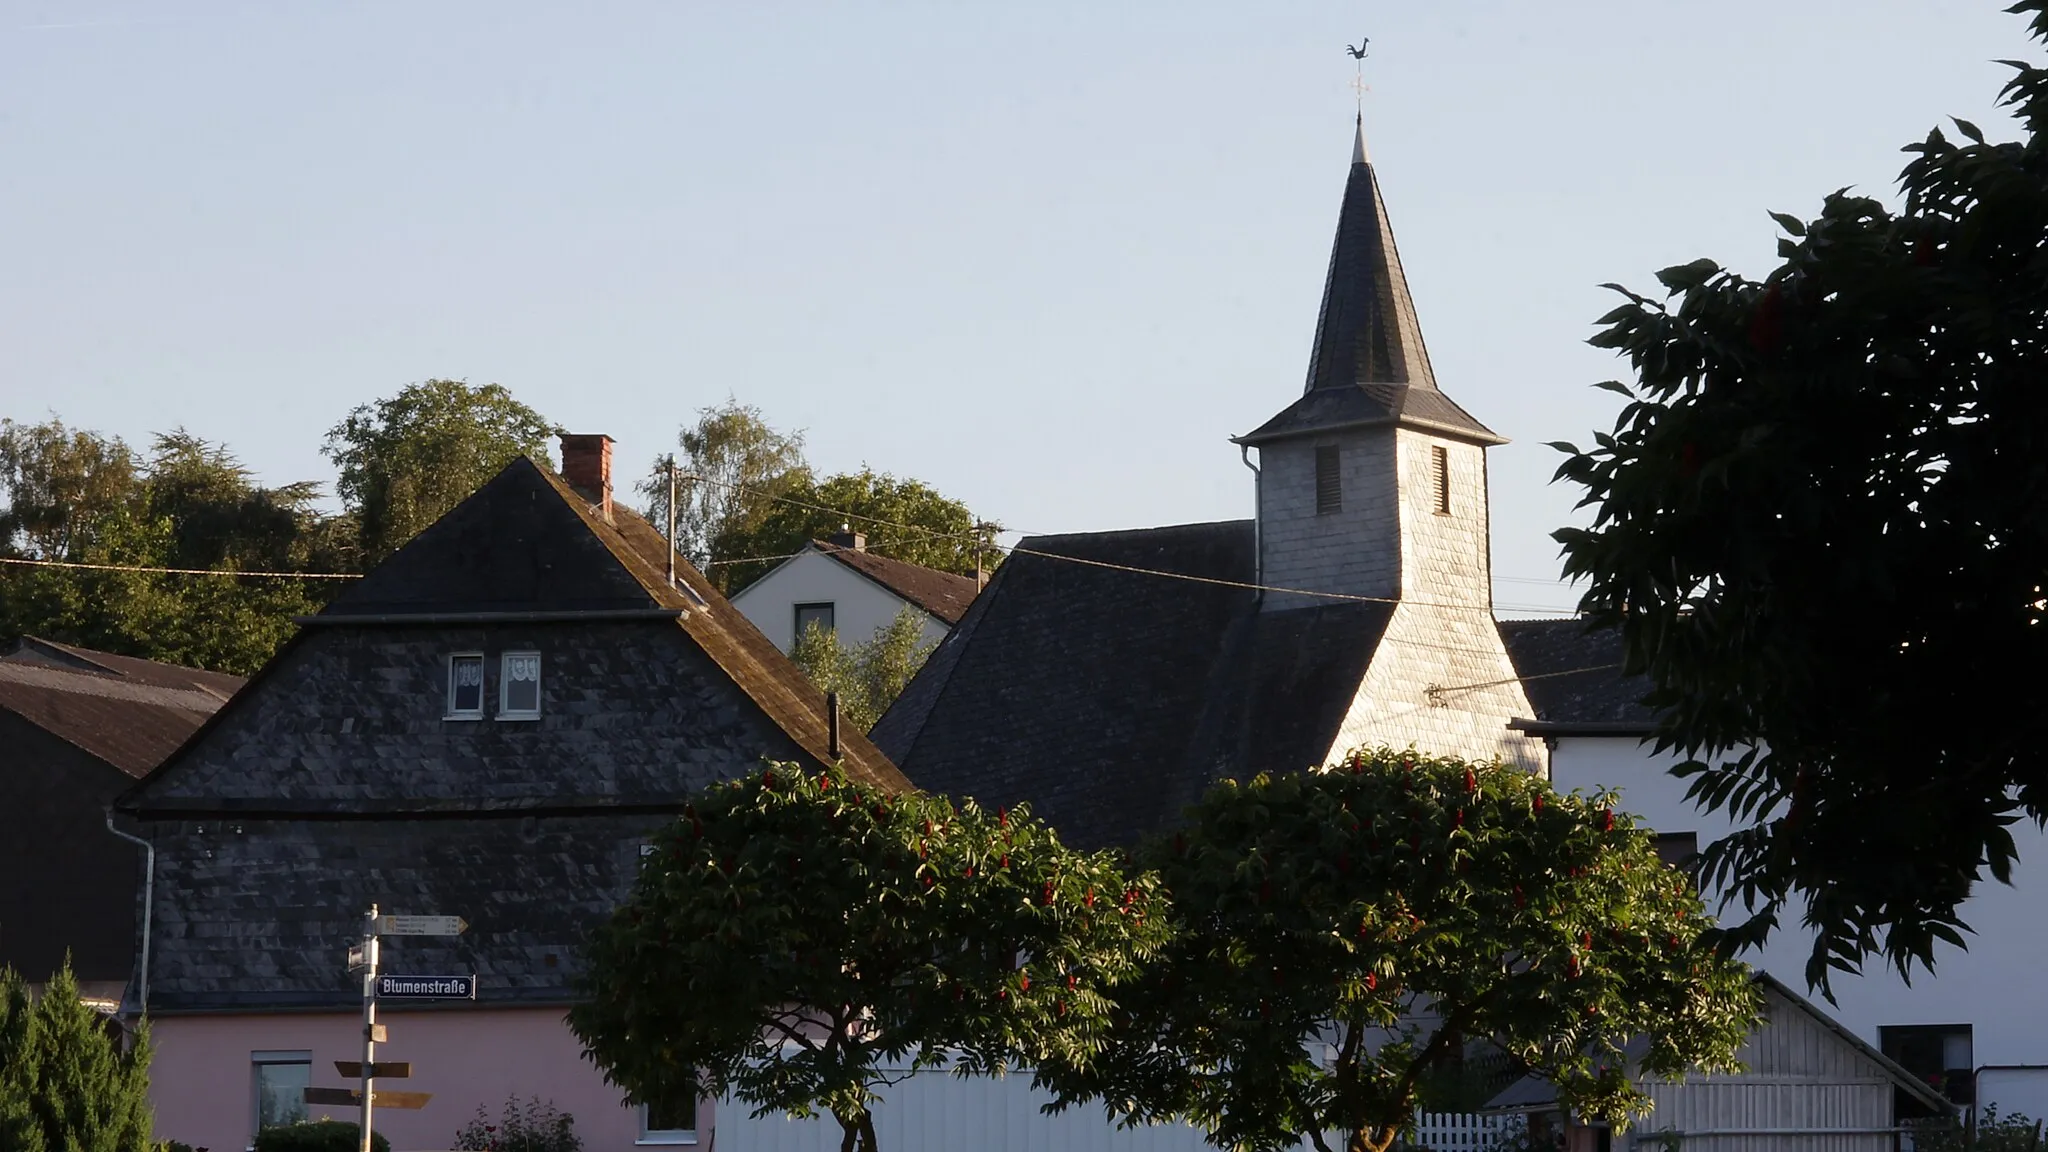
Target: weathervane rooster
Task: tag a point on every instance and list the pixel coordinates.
(1358, 53)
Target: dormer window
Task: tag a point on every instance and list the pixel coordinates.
(466, 686)
(519, 686)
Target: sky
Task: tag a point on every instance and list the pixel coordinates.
(1046, 257)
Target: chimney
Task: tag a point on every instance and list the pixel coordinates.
(847, 538)
(587, 466)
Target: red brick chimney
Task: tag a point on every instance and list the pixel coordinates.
(587, 466)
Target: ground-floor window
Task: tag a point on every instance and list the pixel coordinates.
(281, 1079)
(669, 1122)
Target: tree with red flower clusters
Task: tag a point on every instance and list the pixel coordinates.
(1338, 934)
(798, 941)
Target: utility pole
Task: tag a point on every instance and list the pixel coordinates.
(671, 519)
(369, 1020)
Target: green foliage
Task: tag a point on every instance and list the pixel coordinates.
(904, 520)
(1818, 526)
(1340, 934)
(409, 458)
(733, 466)
(869, 676)
(2012, 1132)
(82, 498)
(536, 1127)
(67, 1082)
(318, 1136)
(795, 935)
(174, 1146)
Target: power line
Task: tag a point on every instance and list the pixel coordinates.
(181, 571)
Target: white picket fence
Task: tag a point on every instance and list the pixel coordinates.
(937, 1112)
(1456, 1131)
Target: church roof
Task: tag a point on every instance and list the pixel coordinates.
(1109, 699)
(1369, 365)
(1574, 679)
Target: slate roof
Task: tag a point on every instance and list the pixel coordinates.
(127, 712)
(1369, 364)
(1574, 679)
(942, 594)
(1110, 700)
(526, 544)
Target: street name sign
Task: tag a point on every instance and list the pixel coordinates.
(421, 925)
(426, 987)
(382, 1069)
(353, 1098)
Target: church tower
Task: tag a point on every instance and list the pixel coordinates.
(1372, 488)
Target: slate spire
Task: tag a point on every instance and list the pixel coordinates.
(1367, 332)
(1369, 365)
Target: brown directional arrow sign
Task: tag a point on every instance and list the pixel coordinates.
(382, 1069)
(351, 1098)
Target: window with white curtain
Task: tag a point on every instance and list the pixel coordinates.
(466, 686)
(519, 686)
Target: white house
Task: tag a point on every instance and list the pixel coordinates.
(1978, 1025)
(845, 588)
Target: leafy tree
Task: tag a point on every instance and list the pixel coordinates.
(732, 467)
(82, 498)
(66, 1080)
(795, 938)
(407, 459)
(903, 519)
(1340, 934)
(1821, 527)
(57, 479)
(869, 676)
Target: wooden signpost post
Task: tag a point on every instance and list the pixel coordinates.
(363, 958)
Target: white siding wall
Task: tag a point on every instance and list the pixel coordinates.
(860, 604)
(1996, 986)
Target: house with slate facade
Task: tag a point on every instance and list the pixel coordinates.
(489, 725)
(1109, 678)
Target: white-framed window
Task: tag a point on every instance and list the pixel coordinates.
(280, 1080)
(465, 686)
(672, 1123)
(519, 686)
(820, 614)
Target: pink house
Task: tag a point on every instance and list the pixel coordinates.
(490, 724)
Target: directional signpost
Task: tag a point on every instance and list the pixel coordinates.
(421, 925)
(363, 958)
(349, 1098)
